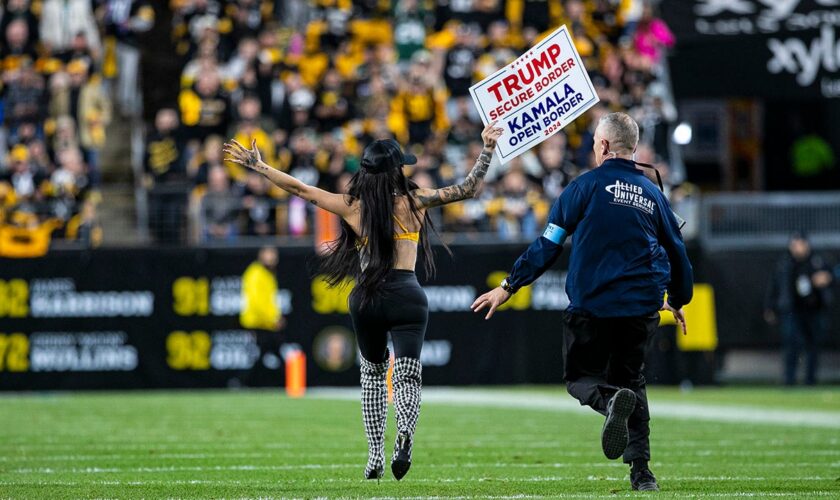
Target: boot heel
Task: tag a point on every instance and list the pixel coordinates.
(402, 456)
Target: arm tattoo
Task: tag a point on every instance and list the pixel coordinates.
(257, 166)
(462, 191)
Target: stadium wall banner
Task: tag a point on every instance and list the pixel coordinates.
(536, 95)
(769, 48)
(156, 318)
(161, 318)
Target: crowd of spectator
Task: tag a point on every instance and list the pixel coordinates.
(311, 82)
(59, 65)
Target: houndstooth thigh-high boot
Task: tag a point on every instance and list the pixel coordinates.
(375, 413)
(407, 384)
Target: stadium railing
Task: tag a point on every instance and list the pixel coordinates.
(730, 221)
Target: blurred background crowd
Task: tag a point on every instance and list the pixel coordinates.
(311, 82)
(55, 110)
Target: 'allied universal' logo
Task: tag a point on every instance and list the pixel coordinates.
(630, 195)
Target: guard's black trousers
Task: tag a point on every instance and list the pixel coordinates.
(603, 355)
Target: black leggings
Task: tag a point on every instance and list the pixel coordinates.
(400, 307)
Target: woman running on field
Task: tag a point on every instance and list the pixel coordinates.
(383, 220)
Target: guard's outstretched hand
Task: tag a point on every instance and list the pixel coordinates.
(239, 154)
(492, 299)
(679, 315)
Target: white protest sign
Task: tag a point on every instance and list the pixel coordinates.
(536, 95)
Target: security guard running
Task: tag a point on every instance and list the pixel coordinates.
(627, 251)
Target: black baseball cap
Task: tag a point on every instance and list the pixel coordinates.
(381, 155)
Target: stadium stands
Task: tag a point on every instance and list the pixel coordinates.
(312, 83)
(59, 62)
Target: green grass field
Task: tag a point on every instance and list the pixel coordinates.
(509, 443)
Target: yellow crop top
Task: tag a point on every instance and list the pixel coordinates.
(404, 235)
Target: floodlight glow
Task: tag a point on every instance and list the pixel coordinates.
(682, 134)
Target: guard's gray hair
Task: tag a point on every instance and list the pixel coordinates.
(621, 131)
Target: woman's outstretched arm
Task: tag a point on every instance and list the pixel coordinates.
(250, 158)
(427, 198)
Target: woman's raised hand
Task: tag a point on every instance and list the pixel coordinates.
(491, 134)
(239, 154)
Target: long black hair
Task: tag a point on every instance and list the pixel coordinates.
(375, 186)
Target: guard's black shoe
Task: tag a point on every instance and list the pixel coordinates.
(614, 435)
(402, 456)
(643, 480)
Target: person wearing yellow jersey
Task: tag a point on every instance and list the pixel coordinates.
(18, 47)
(165, 173)
(534, 15)
(205, 108)
(260, 312)
(418, 111)
(259, 292)
(384, 221)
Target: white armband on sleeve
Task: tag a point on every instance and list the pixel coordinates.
(554, 234)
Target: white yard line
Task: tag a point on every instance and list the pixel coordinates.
(106, 445)
(562, 402)
(264, 467)
(174, 456)
(661, 453)
(671, 494)
(535, 479)
(658, 464)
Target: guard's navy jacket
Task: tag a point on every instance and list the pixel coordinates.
(627, 250)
